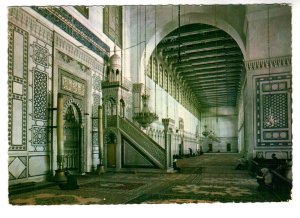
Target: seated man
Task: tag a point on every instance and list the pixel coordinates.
(265, 180)
(71, 183)
(175, 167)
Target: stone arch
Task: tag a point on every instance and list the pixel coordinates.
(110, 136)
(186, 19)
(110, 104)
(122, 107)
(76, 107)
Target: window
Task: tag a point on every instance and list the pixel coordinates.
(155, 70)
(166, 81)
(112, 23)
(161, 75)
(149, 71)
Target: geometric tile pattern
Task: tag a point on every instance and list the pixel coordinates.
(276, 105)
(39, 136)
(273, 111)
(96, 83)
(17, 167)
(40, 55)
(96, 103)
(40, 91)
(12, 29)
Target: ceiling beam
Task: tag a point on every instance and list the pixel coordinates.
(194, 39)
(205, 54)
(201, 47)
(210, 71)
(215, 77)
(209, 66)
(209, 60)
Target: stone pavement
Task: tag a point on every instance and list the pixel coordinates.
(203, 179)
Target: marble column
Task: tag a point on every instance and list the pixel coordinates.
(59, 173)
(100, 139)
(167, 143)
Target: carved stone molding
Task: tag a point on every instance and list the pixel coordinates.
(268, 63)
(21, 18)
(76, 53)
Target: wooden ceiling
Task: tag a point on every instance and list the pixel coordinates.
(208, 60)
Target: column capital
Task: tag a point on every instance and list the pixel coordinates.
(166, 122)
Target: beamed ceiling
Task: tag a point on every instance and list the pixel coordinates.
(210, 63)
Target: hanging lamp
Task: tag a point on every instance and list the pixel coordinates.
(271, 121)
(145, 117)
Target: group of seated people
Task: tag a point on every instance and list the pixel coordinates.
(272, 171)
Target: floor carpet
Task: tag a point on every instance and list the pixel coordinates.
(203, 179)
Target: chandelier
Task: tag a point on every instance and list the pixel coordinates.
(210, 134)
(271, 120)
(145, 117)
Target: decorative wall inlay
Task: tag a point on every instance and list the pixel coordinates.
(273, 101)
(96, 102)
(61, 18)
(69, 51)
(40, 55)
(267, 63)
(18, 16)
(39, 136)
(276, 105)
(17, 167)
(73, 86)
(96, 83)
(78, 106)
(95, 138)
(112, 23)
(40, 101)
(17, 103)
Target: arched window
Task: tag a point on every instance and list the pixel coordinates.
(166, 81)
(149, 71)
(174, 89)
(170, 85)
(155, 70)
(161, 75)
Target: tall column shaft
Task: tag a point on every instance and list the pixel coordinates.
(59, 173)
(60, 131)
(166, 142)
(100, 139)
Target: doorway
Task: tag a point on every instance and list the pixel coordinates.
(228, 147)
(72, 139)
(111, 150)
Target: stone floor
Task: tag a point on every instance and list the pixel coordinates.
(203, 179)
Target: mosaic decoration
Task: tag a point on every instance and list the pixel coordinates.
(40, 55)
(96, 83)
(73, 86)
(61, 18)
(112, 23)
(273, 102)
(40, 100)
(95, 138)
(39, 136)
(97, 101)
(12, 29)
